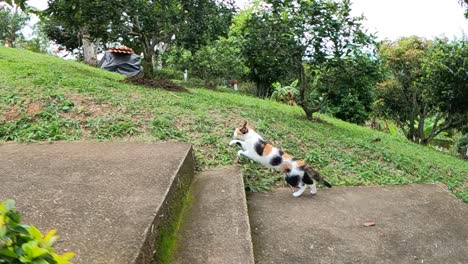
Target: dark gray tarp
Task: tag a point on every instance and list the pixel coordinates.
(128, 64)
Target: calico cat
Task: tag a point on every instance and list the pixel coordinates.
(297, 173)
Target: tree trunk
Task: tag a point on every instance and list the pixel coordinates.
(262, 89)
(304, 92)
(149, 57)
(89, 49)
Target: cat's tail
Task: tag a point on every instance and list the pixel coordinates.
(316, 175)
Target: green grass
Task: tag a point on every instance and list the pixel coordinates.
(44, 98)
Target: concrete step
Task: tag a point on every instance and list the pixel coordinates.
(216, 229)
(418, 223)
(108, 201)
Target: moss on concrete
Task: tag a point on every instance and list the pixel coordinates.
(169, 234)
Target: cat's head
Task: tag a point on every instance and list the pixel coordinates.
(243, 132)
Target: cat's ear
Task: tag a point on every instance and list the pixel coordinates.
(244, 128)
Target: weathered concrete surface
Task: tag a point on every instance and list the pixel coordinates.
(105, 199)
(413, 224)
(216, 228)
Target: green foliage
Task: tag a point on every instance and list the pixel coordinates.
(427, 80)
(462, 146)
(67, 37)
(464, 3)
(169, 73)
(281, 38)
(80, 18)
(346, 154)
(349, 84)
(446, 76)
(203, 21)
(20, 243)
(12, 20)
(286, 94)
(221, 59)
(266, 46)
(313, 100)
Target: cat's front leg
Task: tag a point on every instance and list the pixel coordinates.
(238, 142)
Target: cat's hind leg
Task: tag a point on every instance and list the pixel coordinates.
(302, 188)
(313, 189)
(245, 153)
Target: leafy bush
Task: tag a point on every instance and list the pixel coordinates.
(462, 146)
(20, 243)
(286, 94)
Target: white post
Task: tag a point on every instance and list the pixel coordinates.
(185, 75)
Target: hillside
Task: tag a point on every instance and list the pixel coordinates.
(43, 98)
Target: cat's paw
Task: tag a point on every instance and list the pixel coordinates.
(232, 143)
(297, 194)
(313, 189)
(240, 153)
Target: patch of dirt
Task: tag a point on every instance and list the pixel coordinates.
(11, 114)
(161, 83)
(87, 107)
(34, 108)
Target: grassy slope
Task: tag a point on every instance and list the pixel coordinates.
(45, 98)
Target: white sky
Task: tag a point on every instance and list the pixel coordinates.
(395, 18)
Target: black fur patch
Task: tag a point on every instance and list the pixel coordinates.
(292, 180)
(276, 161)
(259, 147)
(306, 179)
(239, 144)
(288, 170)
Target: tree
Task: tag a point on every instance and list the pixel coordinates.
(150, 24)
(19, 3)
(145, 24)
(203, 21)
(266, 46)
(464, 3)
(446, 78)
(38, 43)
(66, 37)
(282, 37)
(220, 60)
(429, 82)
(86, 21)
(349, 84)
(12, 20)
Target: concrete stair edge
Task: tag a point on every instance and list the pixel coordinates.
(217, 227)
(170, 208)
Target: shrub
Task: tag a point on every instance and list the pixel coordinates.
(20, 243)
(462, 146)
(286, 94)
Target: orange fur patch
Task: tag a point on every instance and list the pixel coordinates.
(285, 166)
(267, 149)
(300, 163)
(287, 156)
